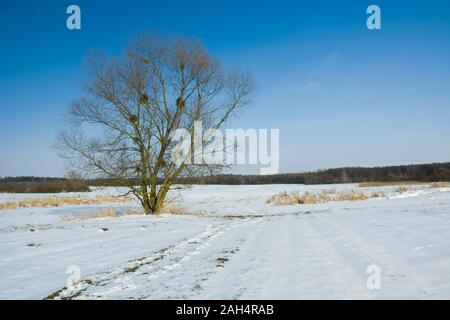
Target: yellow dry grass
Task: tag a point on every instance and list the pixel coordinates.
(292, 198)
(8, 206)
(377, 194)
(56, 201)
(102, 213)
(402, 189)
(351, 196)
(440, 185)
(176, 209)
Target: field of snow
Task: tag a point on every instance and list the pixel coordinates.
(233, 246)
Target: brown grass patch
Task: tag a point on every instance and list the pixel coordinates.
(284, 198)
(440, 185)
(351, 196)
(60, 201)
(402, 189)
(292, 198)
(8, 206)
(180, 210)
(102, 213)
(377, 194)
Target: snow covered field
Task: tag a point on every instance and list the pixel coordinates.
(234, 246)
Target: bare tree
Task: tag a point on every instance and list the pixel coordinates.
(133, 106)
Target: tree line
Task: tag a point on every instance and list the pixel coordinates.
(41, 185)
(421, 173)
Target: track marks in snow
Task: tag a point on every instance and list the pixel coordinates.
(161, 275)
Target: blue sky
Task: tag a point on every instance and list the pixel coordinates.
(340, 94)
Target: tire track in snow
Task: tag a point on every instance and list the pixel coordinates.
(119, 281)
(368, 246)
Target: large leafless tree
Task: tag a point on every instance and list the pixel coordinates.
(123, 127)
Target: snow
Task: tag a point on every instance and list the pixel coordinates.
(242, 248)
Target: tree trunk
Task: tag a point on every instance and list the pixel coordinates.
(161, 199)
(146, 204)
(156, 200)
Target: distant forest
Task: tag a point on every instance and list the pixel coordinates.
(421, 173)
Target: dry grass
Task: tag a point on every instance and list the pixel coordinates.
(440, 185)
(179, 210)
(388, 183)
(60, 201)
(377, 194)
(103, 213)
(119, 212)
(174, 209)
(8, 206)
(293, 198)
(351, 196)
(402, 189)
(284, 198)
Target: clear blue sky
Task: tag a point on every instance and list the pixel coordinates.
(340, 94)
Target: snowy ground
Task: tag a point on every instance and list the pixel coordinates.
(242, 248)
